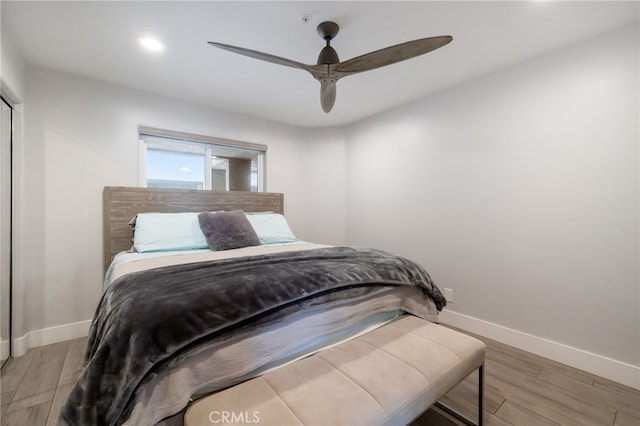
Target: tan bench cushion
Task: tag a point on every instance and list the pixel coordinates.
(387, 376)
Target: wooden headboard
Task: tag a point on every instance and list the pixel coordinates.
(121, 203)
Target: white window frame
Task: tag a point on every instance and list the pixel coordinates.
(209, 142)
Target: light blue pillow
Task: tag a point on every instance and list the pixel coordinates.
(271, 228)
(168, 231)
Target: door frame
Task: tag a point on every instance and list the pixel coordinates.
(5, 101)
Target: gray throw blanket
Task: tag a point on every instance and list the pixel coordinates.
(147, 317)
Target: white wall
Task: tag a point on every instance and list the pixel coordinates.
(81, 135)
(519, 191)
(324, 184)
(11, 70)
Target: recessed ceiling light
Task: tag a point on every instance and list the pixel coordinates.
(151, 43)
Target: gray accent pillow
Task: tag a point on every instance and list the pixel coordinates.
(227, 230)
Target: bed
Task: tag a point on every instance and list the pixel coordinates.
(178, 321)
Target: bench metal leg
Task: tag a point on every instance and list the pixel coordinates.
(481, 395)
(459, 416)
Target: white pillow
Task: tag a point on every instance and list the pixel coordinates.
(271, 228)
(168, 231)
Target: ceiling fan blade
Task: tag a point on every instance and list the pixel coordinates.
(390, 55)
(327, 94)
(263, 56)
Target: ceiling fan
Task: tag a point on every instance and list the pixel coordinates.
(329, 69)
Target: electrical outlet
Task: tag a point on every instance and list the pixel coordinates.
(448, 294)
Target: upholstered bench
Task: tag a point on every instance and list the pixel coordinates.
(388, 376)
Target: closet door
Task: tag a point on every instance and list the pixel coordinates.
(5, 231)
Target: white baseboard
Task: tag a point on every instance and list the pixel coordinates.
(47, 336)
(599, 365)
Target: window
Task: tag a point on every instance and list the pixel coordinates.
(181, 160)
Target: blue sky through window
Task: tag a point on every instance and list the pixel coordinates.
(175, 166)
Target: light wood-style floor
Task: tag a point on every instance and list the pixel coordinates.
(521, 389)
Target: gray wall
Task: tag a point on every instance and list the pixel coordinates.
(519, 191)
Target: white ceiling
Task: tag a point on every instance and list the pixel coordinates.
(98, 39)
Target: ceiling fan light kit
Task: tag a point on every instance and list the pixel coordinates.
(328, 69)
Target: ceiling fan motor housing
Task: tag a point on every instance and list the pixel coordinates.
(328, 30)
(328, 55)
